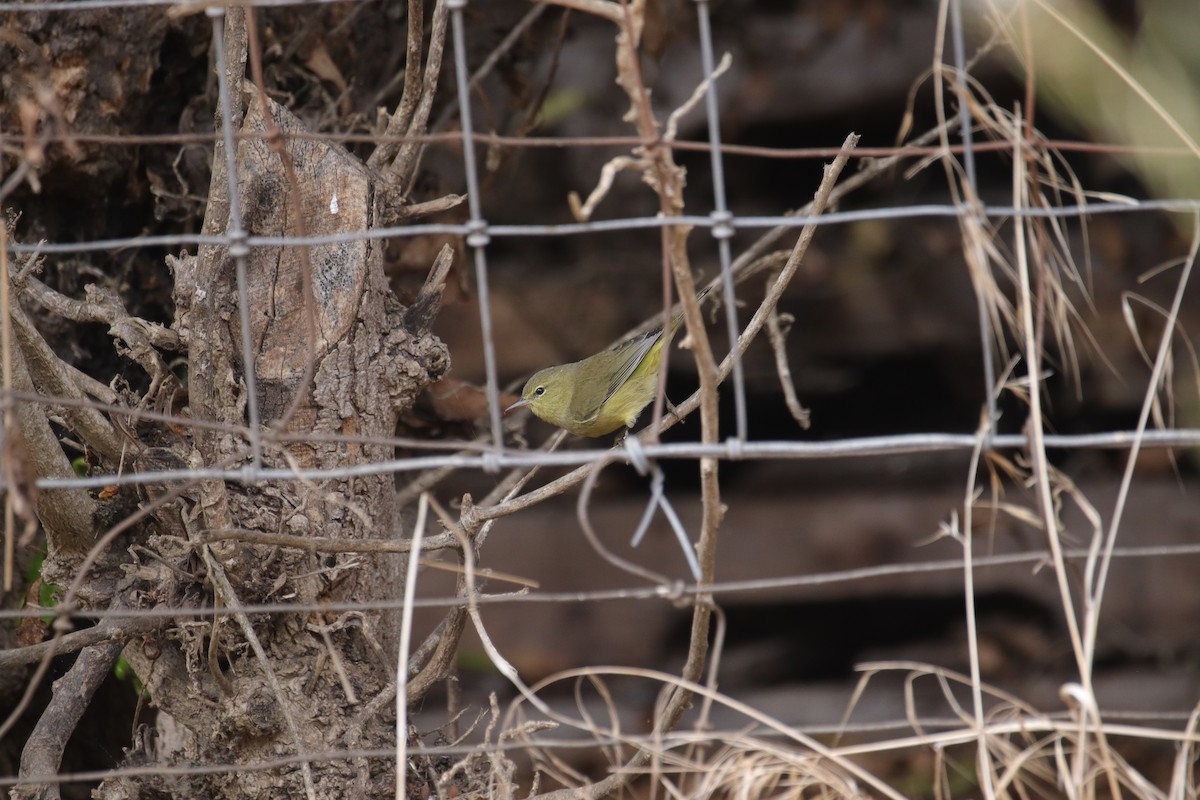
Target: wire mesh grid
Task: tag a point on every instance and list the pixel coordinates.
(977, 723)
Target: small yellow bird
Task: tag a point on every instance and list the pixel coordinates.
(603, 392)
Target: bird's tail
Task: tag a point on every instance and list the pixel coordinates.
(677, 319)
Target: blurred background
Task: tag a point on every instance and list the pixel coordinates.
(886, 340)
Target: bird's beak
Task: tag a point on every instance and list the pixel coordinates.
(524, 401)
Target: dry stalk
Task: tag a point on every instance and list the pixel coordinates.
(667, 179)
(681, 698)
(1035, 427)
(786, 733)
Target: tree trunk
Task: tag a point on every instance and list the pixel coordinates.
(331, 356)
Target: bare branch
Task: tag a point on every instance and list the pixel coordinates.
(398, 122)
(425, 308)
(66, 514)
(778, 326)
(319, 544)
(111, 629)
(401, 161)
(50, 376)
(104, 306)
(72, 693)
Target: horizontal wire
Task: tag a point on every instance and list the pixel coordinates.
(671, 592)
(617, 225)
(617, 141)
(896, 444)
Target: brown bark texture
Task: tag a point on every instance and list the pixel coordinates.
(332, 352)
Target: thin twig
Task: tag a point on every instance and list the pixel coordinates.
(324, 544)
(404, 166)
(778, 326)
(111, 628)
(399, 122)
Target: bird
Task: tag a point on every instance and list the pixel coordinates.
(603, 392)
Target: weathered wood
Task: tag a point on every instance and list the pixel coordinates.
(330, 354)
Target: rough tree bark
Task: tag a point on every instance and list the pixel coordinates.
(333, 352)
(341, 362)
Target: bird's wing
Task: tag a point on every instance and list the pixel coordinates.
(618, 362)
(632, 353)
(624, 357)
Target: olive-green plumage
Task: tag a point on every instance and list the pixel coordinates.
(603, 392)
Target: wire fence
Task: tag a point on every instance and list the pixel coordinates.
(1082, 724)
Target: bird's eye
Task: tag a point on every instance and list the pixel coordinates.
(539, 391)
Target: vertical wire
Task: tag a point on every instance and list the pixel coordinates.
(7, 415)
(478, 238)
(964, 118)
(964, 114)
(722, 229)
(238, 249)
